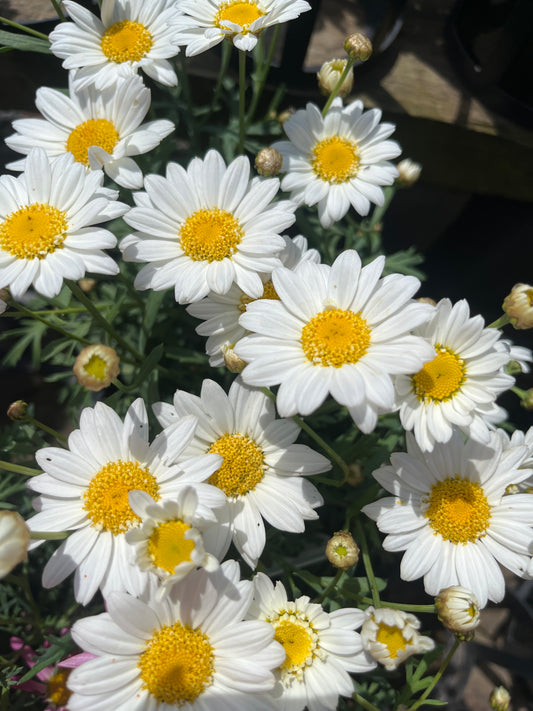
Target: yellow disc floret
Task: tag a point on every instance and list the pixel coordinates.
(458, 510)
(168, 546)
(33, 231)
(268, 293)
(106, 499)
(335, 159)
(210, 235)
(96, 367)
(441, 378)
(239, 13)
(94, 132)
(126, 41)
(392, 637)
(335, 337)
(177, 664)
(243, 465)
(56, 688)
(299, 639)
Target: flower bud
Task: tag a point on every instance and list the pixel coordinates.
(355, 475)
(408, 172)
(329, 75)
(499, 699)
(232, 361)
(14, 541)
(17, 410)
(518, 305)
(96, 366)
(87, 284)
(342, 551)
(268, 162)
(527, 400)
(427, 300)
(358, 47)
(458, 610)
(285, 115)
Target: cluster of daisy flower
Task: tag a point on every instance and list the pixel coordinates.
(149, 524)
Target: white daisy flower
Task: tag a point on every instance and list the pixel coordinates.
(221, 312)
(190, 650)
(85, 489)
(48, 225)
(322, 649)
(519, 354)
(131, 35)
(337, 160)
(339, 330)
(520, 439)
(451, 514)
(262, 472)
(170, 541)
(101, 129)
(206, 23)
(207, 227)
(460, 384)
(391, 636)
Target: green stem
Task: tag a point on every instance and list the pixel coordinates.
(437, 676)
(57, 8)
(380, 210)
(34, 314)
(502, 321)
(28, 30)
(363, 544)
(401, 605)
(333, 584)
(23, 584)
(336, 89)
(18, 469)
(326, 481)
(263, 74)
(186, 89)
(45, 428)
(518, 391)
(49, 535)
(226, 54)
(57, 312)
(101, 320)
(364, 703)
(242, 100)
(332, 454)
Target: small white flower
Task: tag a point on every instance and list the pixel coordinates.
(14, 541)
(101, 129)
(460, 384)
(339, 330)
(322, 649)
(205, 228)
(131, 35)
(85, 490)
(191, 650)
(262, 473)
(221, 312)
(451, 514)
(205, 23)
(337, 160)
(48, 225)
(391, 636)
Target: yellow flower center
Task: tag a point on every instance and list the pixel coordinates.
(242, 468)
(96, 367)
(210, 235)
(335, 337)
(392, 637)
(177, 664)
(56, 688)
(126, 41)
(94, 132)
(106, 499)
(335, 159)
(441, 378)
(458, 510)
(239, 13)
(268, 293)
(296, 640)
(33, 231)
(168, 546)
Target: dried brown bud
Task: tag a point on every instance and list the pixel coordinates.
(96, 366)
(232, 361)
(86, 285)
(358, 47)
(342, 551)
(285, 115)
(355, 475)
(427, 300)
(268, 162)
(17, 410)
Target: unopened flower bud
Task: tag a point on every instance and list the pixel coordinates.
(355, 475)
(232, 361)
(527, 400)
(458, 610)
(17, 410)
(268, 162)
(329, 75)
(14, 541)
(285, 115)
(408, 172)
(499, 699)
(518, 305)
(87, 284)
(358, 47)
(342, 551)
(96, 366)
(427, 300)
